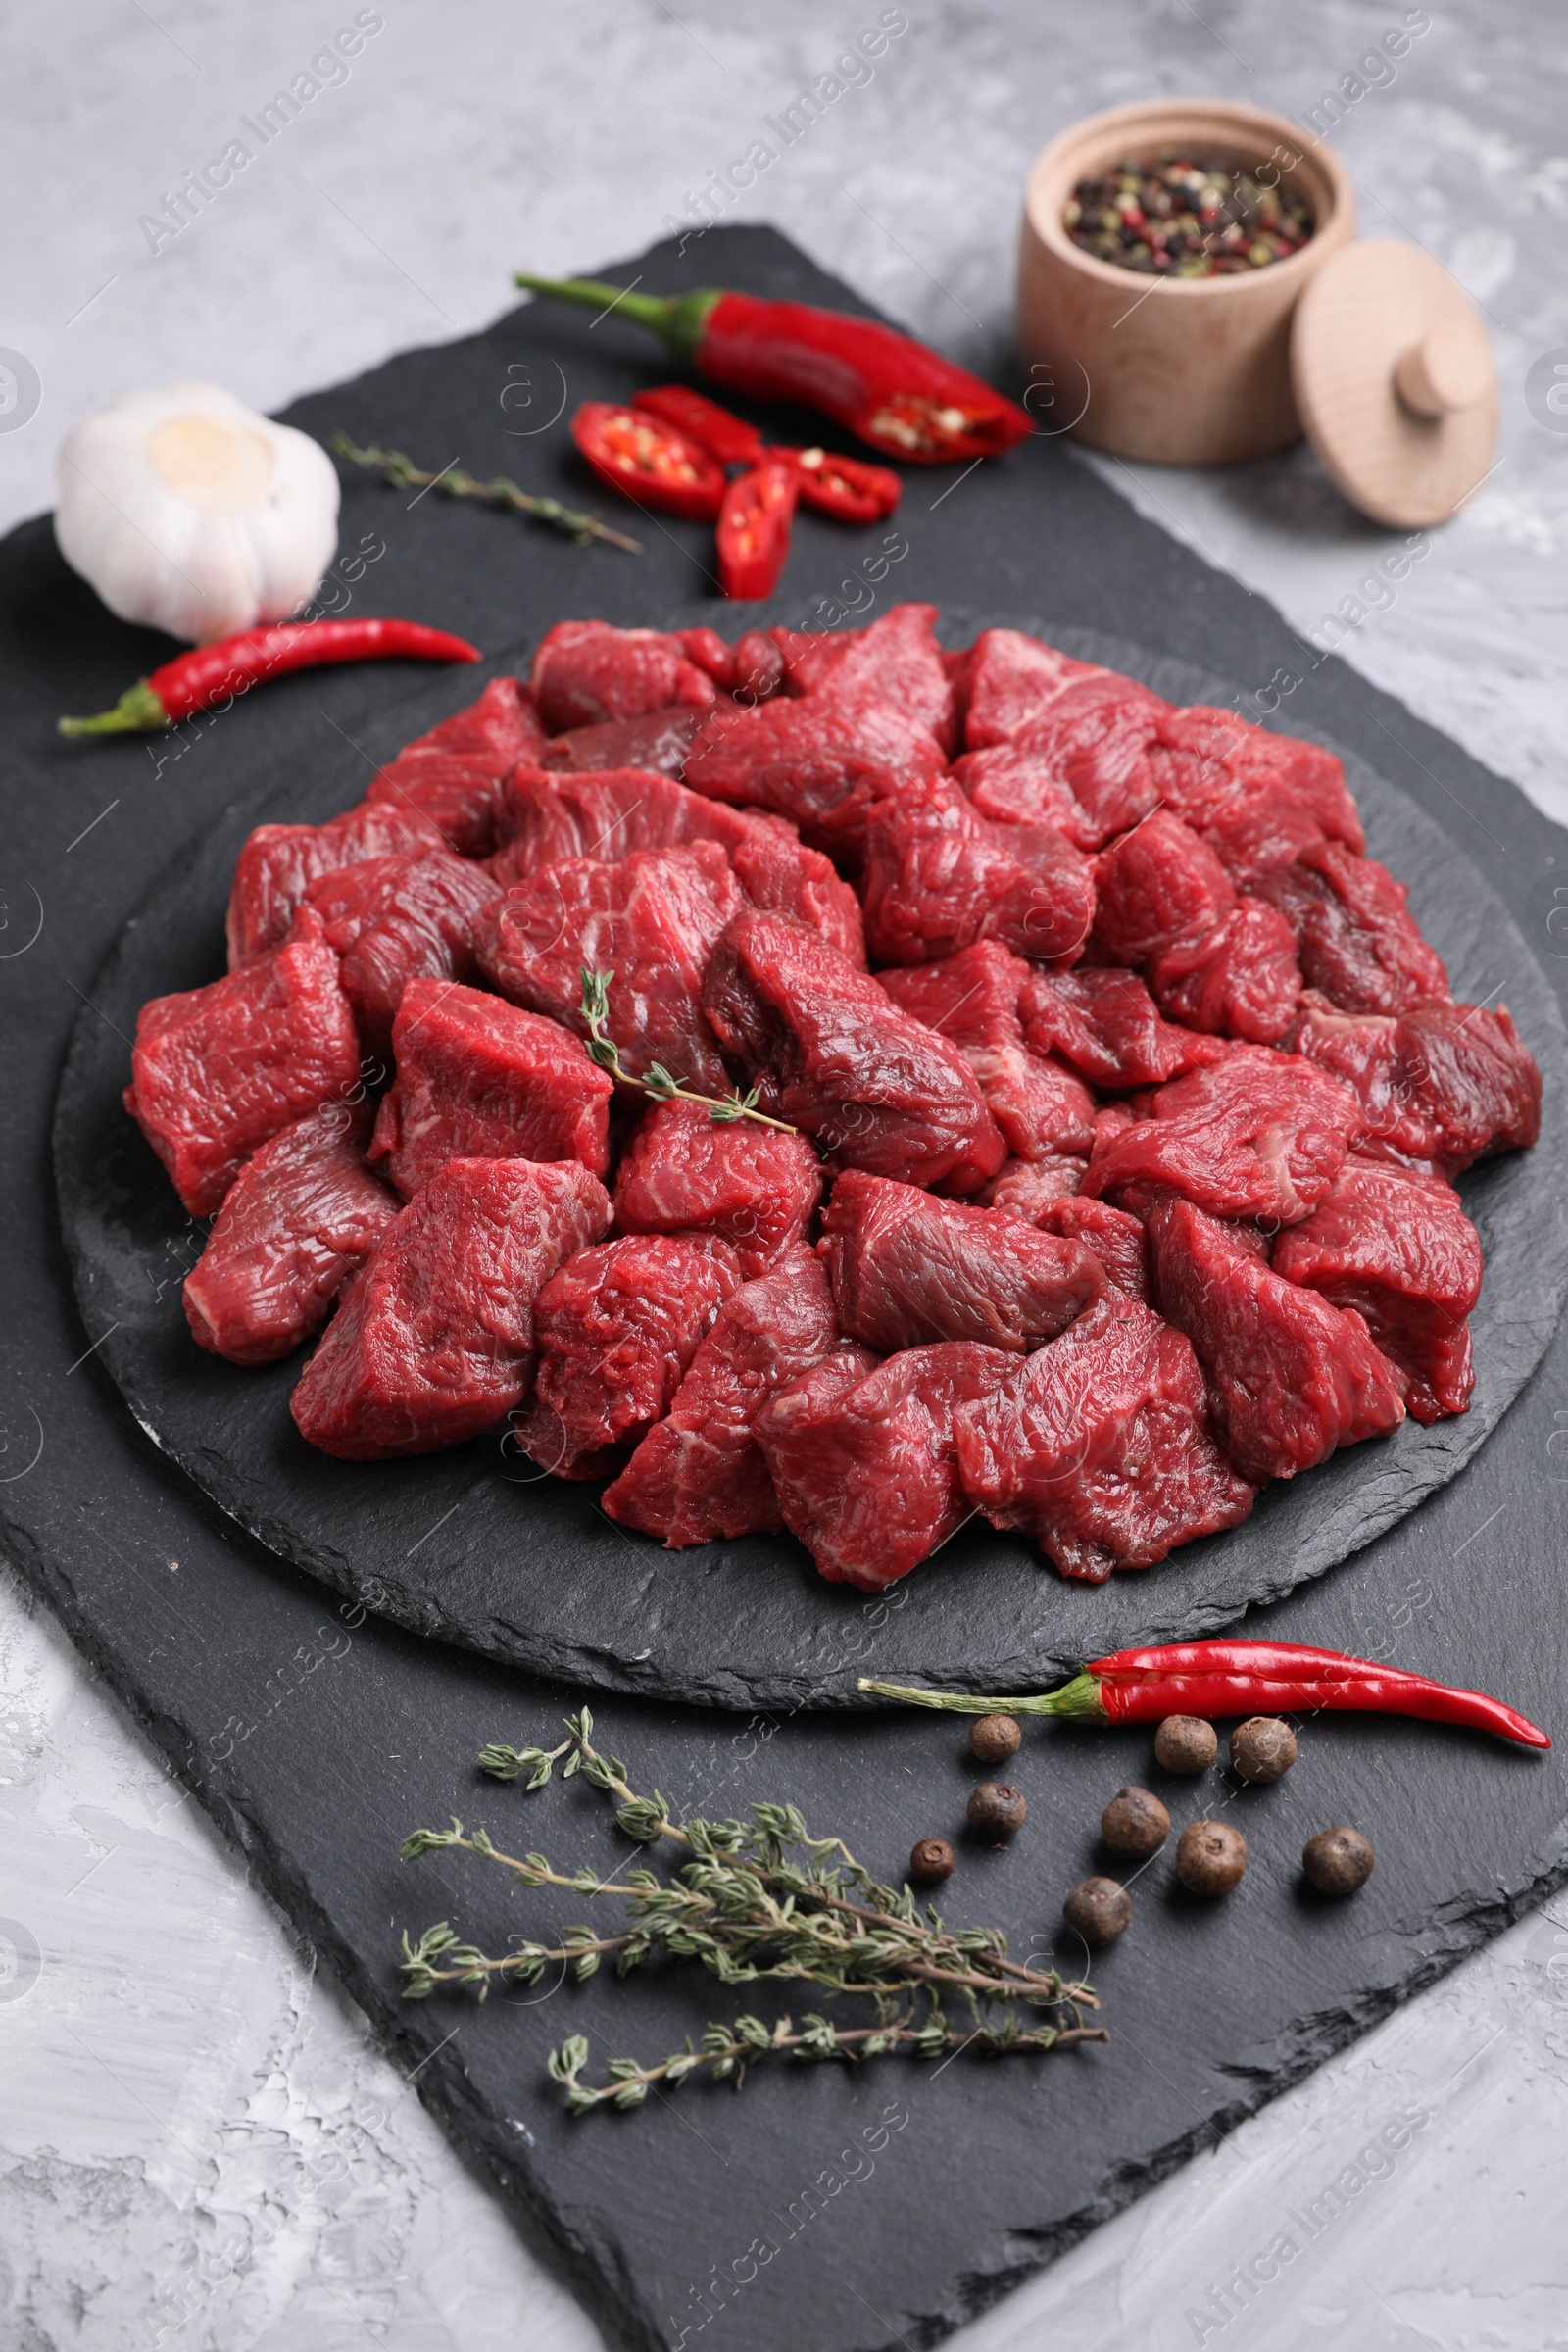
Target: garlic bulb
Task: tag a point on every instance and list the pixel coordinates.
(189, 513)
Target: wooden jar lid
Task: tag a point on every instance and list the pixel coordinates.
(1393, 378)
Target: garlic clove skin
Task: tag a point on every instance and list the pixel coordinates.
(189, 513)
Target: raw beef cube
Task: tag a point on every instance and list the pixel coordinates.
(660, 740)
(972, 997)
(1354, 933)
(1261, 1135)
(492, 734)
(833, 1056)
(895, 660)
(1014, 786)
(216, 1070)
(1258, 830)
(782, 874)
(1401, 1251)
(1007, 679)
(653, 921)
(756, 667)
(428, 932)
(548, 815)
(938, 877)
(1026, 1187)
(907, 1267)
(1100, 1445)
(301, 1215)
(1208, 760)
(1116, 1239)
(1290, 1377)
(815, 759)
(481, 1079)
(586, 673)
(1446, 1083)
(433, 1339)
(752, 1187)
(615, 1330)
(706, 648)
(700, 1474)
(1095, 735)
(1159, 887)
(459, 799)
(1242, 980)
(278, 863)
(1106, 1023)
(864, 1461)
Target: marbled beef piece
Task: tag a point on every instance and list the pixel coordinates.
(615, 1330)
(864, 1461)
(481, 1079)
(972, 997)
(784, 875)
(1100, 1445)
(587, 672)
(278, 863)
(1354, 933)
(819, 762)
(700, 1474)
(906, 1267)
(1290, 1377)
(1116, 1239)
(301, 1215)
(1158, 887)
(453, 774)
(754, 1188)
(397, 919)
(1399, 1249)
(1207, 761)
(1012, 785)
(1006, 680)
(653, 920)
(433, 1339)
(1105, 1022)
(1261, 1135)
(1097, 735)
(1240, 980)
(835, 1058)
(1026, 1187)
(895, 660)
(216, 1070)
(1442, 1083)
(1257, 830)
(938, 877)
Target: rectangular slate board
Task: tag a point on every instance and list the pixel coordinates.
(821, 2207)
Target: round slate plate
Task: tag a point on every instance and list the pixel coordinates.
(488, 1552)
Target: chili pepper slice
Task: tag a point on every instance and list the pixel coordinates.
(899, 395)
(754, 529)
(210, 673)
(845, 487)
(648, 460)
(1240, 1678)
(728, 438)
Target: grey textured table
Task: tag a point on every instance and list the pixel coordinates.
(197, 2144)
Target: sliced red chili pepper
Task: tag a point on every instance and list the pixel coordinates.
(730, 439)
(212, 673)
(754, 529)
(847, 487)
(648, 460)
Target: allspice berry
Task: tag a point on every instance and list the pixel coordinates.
(1263, 1748)
(930, 1861)
(1186, 1744)
(996, 1810)
(1098, 1910)
(1210, 1857)
(1336, 1861)
(993, 1738)
(1135, 1822)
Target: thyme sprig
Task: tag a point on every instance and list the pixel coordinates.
(758, 1898)
(402, 475)
(656, 1080)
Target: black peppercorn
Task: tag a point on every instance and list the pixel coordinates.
(930, 1861)
(1263, 1748)
(1135, 1823)
(996, 1810)
(993, 1738)
(1184, 1743)
(1098, 1910)
(1336, 1861)
(1210, 1857)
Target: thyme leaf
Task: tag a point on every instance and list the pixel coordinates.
(402, 473)
(656, 1080)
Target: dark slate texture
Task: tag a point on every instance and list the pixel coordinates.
(475, 1546)
(316, 1737)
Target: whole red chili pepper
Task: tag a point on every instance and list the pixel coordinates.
(194, 681)
(754, 529)
(726, 437)
(1240, 1678)
(845, 487)
(648, 460)
(897, 394)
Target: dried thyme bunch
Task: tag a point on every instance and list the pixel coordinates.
(757, 1898)
(656, 1080)
(401, 473)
